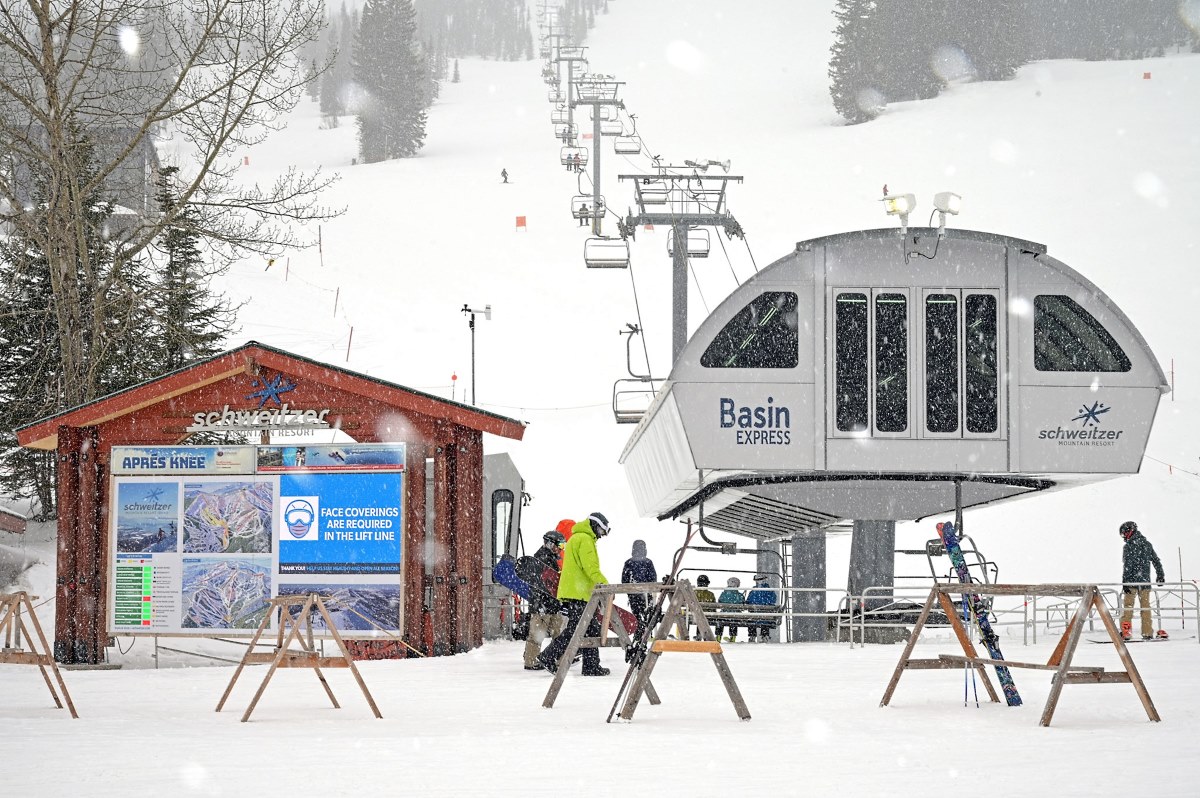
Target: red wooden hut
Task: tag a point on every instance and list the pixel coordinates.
(367, 409)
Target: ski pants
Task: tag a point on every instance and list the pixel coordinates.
(1143, 595)
(591, 656)
(541, 626)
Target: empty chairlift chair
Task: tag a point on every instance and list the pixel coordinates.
(554, 96)
(612, 128)
(560, 116)
(627, 145)
(606, 253)
(698, 243)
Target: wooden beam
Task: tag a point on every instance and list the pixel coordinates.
(689, 646)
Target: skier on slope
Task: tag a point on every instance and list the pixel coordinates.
(504, 175)
(1136, 558)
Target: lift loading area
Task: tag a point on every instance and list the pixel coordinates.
(865, 376)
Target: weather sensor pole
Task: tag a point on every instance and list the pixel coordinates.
(470, 313)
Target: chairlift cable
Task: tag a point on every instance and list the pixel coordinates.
(699, 290)
(728, 260)
(638, 310)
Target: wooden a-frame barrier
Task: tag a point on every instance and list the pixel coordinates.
(683, 597)
(12, 625)
(1060, 662)
(306, 657)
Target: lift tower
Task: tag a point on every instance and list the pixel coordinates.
(597, 91)
(570, 55)
(682, 197)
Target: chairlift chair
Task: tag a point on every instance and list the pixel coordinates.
(554, 96)
(612, 128)
(573, 156)
(627, 145)
(565, 130)
(560, 116)
(607, 113)
(698, 243)
(584, 207)
(606, 253)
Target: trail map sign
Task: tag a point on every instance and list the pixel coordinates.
(201, 537)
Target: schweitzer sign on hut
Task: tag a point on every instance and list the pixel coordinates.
(159, 537)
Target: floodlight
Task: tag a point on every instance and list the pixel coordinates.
(946, 202)
(900, 205)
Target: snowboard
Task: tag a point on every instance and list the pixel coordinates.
(505, 573)
(979, 609)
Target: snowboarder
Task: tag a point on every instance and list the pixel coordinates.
(639, 568)
(581, 572)
(504, 175)
(730, 595)
(540, 571)
(763, 596)
(1136, 558)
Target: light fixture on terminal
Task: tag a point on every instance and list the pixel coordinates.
(900, 205)
(946, 202)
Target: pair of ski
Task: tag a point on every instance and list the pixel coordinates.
(979, 610)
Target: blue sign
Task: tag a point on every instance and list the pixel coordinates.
(340, 523)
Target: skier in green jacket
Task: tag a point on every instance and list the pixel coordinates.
(580, 574)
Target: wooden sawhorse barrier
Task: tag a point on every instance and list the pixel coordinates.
(608, 622)
(12, 625)
(1061, 660)
(683, 601)
(683, 597)
(306, 657)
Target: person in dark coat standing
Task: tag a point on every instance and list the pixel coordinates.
(504, 175)
(546, 619)
(1137, 556)
(639, 568)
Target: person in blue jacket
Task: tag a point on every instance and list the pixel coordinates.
(730, 595)
(639, 568)
(761, 595)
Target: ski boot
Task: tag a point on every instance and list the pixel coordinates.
(1161, 635)
(1127, 630)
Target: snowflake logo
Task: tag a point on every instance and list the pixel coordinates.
(1091, 415)
(271, 389)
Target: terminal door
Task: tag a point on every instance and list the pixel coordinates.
(916, 363)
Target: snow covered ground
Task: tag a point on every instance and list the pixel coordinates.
(1095, 160)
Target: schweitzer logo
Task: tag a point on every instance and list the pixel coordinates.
(767, 424)
(1088, 433)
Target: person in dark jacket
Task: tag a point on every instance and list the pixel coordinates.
(580, 575)
(1137, 556)
(545, 612)
(639, 568)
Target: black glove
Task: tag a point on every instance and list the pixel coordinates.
(1162, 580)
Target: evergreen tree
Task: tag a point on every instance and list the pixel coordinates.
(856, 96)
(32, 322)
(191, 322)
(393, 73)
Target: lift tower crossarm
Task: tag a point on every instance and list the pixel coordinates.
(689, 203)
